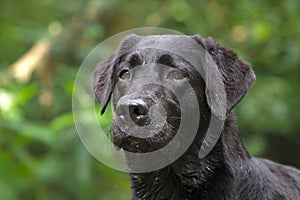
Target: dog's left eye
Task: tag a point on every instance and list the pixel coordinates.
(124, 74)
(176, 75)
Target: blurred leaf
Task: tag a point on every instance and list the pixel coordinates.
(62, 122)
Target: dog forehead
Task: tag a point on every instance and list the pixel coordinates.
(162, 41)
(178, 44)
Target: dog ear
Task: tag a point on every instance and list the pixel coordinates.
(103, 76)
(103, 81)
(237, 75)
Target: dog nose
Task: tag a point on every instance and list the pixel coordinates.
(137, 109)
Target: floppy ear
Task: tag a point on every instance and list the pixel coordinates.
(236, 74)
(103, 81)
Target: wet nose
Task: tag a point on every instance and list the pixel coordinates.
(136, 109)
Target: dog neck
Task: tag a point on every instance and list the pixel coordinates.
(189, 176)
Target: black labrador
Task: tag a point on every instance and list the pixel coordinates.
(227, 171)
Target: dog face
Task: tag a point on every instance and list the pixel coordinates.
(146, 98)
(151, 88)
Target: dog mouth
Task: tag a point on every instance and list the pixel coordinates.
(144, 125)
(127, 142)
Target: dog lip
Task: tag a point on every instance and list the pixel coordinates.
(118, 142)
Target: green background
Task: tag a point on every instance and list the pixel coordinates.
(42, 44)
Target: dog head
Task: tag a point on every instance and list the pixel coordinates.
(149, 80)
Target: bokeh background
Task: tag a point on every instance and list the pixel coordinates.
(42, 44)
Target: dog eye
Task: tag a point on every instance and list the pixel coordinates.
(124, 74)
(176, 75)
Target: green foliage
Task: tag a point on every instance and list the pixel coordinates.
(41, 156)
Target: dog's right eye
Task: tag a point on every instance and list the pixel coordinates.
(124, 74)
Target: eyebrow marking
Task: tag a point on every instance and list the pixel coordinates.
(165, 59)
(135, 60)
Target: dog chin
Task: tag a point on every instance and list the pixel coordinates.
(134, 144)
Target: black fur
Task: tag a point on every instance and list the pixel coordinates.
(228, 171)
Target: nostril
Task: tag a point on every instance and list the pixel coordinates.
(139, 112)
(136, 111)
